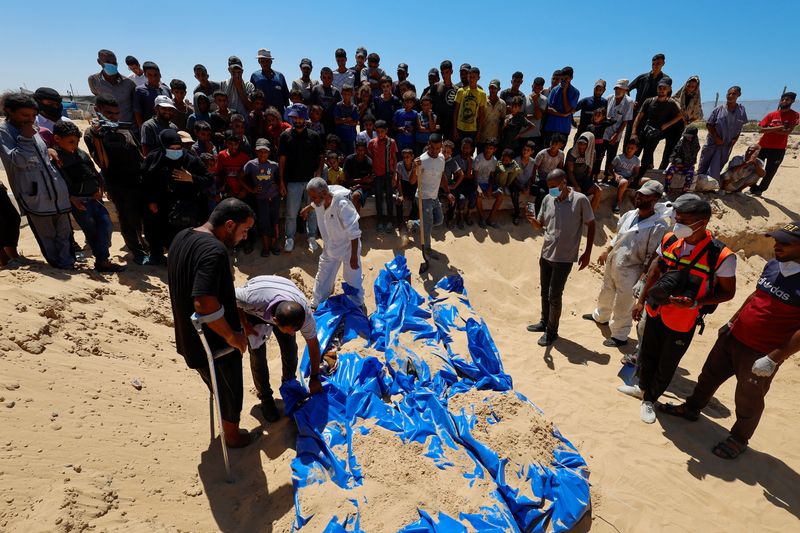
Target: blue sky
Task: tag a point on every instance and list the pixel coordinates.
(723, 43)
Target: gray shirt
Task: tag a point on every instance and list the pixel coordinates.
(122, 90)
(235, 102)
(618, 113)
(261, 294)
(530, 108)
(563, 223)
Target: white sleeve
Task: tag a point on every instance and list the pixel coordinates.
(728, 267)
(349, 219)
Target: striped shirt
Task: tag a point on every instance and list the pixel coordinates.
(261, 294)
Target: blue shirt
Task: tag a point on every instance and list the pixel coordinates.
(345, 132)
(555, 100)
(276, 93)
(587, 106)
(385, 109)
(144, 99)
(423, 137)
(408, 120)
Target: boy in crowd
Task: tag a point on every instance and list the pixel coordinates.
(220, 119)
(257, 123)
(182, 108)
(358, 174)
(405, 122)
(385, 105)
(383, 152)
(515, 126)
(202, 112)
(368, 132)
(470, 108)
(152, 127)
(494, 116)
(85, 187)
(598, 129)
(508, 170)
(144, 97)
(545, 162)
(426, 124)
(239, 129)
(485, 167)
(430, 178)
(326, 96)
(203, 144)
(230, 163)
(523, 181)
(454, 176)
(315, 120)
(624, 171)
(683, 159)
(466, 190)
(332, 173)
(261, 174)
(345, 114)
(406, 171)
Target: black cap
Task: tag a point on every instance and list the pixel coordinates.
(168, 137)
(46, 93)
(788, 234)
(130, 60)
(465, 66)
(403, 67)
(234, 61)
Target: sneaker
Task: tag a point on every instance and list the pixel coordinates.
(515, 221)
(313, 246)
(80, 257)
(141, 259)
(547, 339)
(109, 267)
(539, 327)
(615, 209)
(270, 410)
(412, 226)
(379, 228)
(631, 390)
(590, 316)
(647, 413)
(611, 342)
(481, 223)
(492, 224)
(289, 245)
(276, 250)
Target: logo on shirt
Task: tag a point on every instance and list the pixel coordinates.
(767, 285)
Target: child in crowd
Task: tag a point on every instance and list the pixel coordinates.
(210, 193)
(683, 159)
(407, 192)
(523, 181)
(548, 159)
(257, 123)
(385, 104)
(364, 102)
(405, 123)
(202, 111)
(624, 171)
(315, 120)
(239, 128)
(220, 119)
(383, 152)
(579, 164)
(466, 192)
(484, 168)
(454, 176)
(332, 172)
(358, 174)
(276, 126)
(598, 128)
(346, 116)
(230, 163)
(183, 109)
(296, 99)
(203, 144)
(426, 124)
(261, 175)
(367, 132)
(85, 187)
(516, 125)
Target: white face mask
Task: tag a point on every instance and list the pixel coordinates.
(683, 231)
(789, 268)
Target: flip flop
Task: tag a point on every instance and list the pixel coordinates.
(729, 449)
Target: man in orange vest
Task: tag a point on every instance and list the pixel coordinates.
(693, 270)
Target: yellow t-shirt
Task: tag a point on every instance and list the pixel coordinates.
(335, 177)
(469, 101)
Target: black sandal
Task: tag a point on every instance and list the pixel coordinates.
(730, 448)
(679, 410)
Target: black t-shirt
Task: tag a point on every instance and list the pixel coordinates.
(302, 151)
(646, 86)
(199, 265)
(123, 154)
(444, 102)
(356, 170)
(657, 113)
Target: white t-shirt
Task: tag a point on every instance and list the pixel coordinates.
(483, 168)
(430, 176)
(546, 162)
(138, 80)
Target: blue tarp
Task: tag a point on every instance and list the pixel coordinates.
(406, 393)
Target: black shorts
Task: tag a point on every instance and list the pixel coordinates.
(585, 184)
(230, 384)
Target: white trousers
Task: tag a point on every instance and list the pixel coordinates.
(329, 264)
(616, 300)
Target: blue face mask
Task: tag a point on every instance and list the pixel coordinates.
(110, 69)
(555, 192)
(173, 154)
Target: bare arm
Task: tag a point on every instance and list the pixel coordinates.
(204, 305)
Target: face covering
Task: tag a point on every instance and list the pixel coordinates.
(110, 69)
(555, 192)
(682, 231)
(173, 154)
(789, 268)
(52, 110)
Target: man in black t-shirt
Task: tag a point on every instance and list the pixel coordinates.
(200, 279)
(444, 99)
(654, 117)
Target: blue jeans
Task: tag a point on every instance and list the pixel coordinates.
(384, 204)
(432, 215)
(96, 226)
(295, 198)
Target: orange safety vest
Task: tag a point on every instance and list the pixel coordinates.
(680, 318)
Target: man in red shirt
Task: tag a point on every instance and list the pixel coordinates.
(776, 127)
(762, 334)
(383, 152)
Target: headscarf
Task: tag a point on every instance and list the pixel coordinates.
(691, 106)
(166, 138)
(589, 155)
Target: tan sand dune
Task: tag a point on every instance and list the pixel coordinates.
(82, 448)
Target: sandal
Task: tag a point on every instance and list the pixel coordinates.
(681, 411)
(730, 448)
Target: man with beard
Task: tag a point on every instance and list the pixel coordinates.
(433, 79)
(626, 260)
(762, 334)
(50, 108)
(656, 115)
(200, 281)
(444, 99)
(161, 120)
(775, 127)
(724, 126)
(646, 86)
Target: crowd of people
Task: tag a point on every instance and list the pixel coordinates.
(192, 178)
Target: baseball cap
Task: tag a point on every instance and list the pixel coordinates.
(600, 83)
(164, 101)
(465, 66)
(200, 67)
(666, 80)
(306, 62)
(495, 83)
(297, 110)
(263, 53)
(46, 93)
(622, 83)
(651, 188)
(433, 72)
(403, 67)
(787, 234)
(234, 61)
(263, 144)
(185, 137)
(684, 198)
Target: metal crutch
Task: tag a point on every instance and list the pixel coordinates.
(198, 321)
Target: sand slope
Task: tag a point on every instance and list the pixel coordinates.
(82, 448)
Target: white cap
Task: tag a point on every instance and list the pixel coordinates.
(263, 53)
(164, 101)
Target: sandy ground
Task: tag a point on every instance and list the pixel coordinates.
(82, 448)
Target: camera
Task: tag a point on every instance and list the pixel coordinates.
(103, 125)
